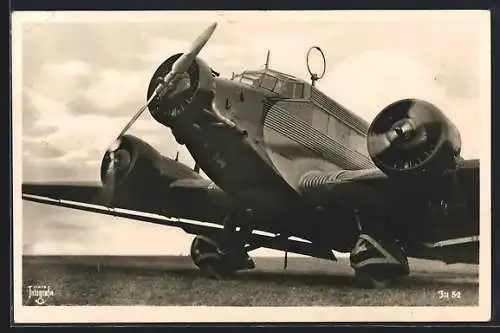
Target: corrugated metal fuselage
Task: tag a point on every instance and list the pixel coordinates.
(291, 136)
(285, 139)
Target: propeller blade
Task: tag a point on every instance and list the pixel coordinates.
(109, 184)
(116, 143)
(180, 66)
(379, 143)
(419, 114)
(137, 115)
(416, 116)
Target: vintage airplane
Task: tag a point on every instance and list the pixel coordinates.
(290, 169)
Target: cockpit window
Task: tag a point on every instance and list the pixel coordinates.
(268, 82)
(283, 87)
(250, 79)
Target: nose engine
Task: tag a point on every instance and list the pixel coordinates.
(181, 83)
(188, 93)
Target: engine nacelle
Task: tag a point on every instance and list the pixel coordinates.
(413, 137)
(134, 160)
(137, 170)
(190, 92)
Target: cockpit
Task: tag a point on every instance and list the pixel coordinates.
(283, 85)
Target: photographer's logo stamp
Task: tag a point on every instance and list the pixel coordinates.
(39, 294)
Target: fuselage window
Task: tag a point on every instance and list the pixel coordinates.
(337, 129)
(299, 91)
(358, 142)
(320, 121)
(287, 90)
(333, 126)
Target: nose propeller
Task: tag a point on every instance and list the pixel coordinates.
(179, 67)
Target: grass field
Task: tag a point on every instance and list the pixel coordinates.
(115, 280)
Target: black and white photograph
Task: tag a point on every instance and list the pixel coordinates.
(251, 166)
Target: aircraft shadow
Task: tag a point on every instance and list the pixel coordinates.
(291, 278)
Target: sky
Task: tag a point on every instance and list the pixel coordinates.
(83, 77)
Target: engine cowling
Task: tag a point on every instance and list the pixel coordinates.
(413, 137)
(189, 93)
(133, 158)
(135, 170)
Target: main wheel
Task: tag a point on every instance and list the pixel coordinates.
(208, 257)
(369, 282)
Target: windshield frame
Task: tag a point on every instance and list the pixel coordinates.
(256, 79)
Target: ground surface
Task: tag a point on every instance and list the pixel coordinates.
(115, 280)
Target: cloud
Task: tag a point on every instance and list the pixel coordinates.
(42, 149)
(113, 92)
(48, 171)
(371, 80)
(83, 89)
(30, 120)
(60, 81)
(70, 67)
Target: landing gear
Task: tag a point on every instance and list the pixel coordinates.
(221, 256)
(377, 262)
(216, 263)
(377, 257)
(207, 255)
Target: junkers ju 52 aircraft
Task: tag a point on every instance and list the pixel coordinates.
(289, 169)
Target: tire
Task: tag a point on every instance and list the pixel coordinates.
(369, 282)
(209, 259)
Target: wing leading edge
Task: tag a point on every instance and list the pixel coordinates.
(90, 197)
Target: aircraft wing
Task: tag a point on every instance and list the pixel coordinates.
(85, 192)
(437, 214)
(372, 189)
(187, 199)
(195, 210)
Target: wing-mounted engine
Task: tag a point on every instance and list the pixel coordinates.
(413, 137)
(187, 93)
(132, 160)
(137, 170)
